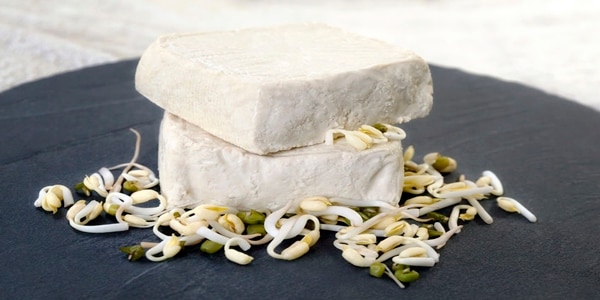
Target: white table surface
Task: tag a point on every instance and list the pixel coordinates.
(552, 45)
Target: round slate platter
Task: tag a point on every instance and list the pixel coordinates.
(545, 150)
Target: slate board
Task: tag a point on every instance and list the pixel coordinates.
(544, 148)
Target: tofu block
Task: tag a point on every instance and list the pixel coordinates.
(196, 167)
(272, 89)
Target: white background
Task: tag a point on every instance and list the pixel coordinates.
(552, 45)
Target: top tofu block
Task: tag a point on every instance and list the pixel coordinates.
(272, 89)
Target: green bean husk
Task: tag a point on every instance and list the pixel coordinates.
(380, 127)
(406, 277)
(433, 233)
(370, 211)
(251, 217)
(210, 247)
(377, 269)
(362, 215)
(82, 189)
(441, 163)
(112, 209)
(134, 252)
(130, 186)
(401, 267)
(256, 228)
(438, 217)
(344, 221)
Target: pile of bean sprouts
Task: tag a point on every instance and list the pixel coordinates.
(395, 240)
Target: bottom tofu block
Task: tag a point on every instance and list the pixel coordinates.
(196, 167)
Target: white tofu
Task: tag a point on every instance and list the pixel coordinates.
(198, 168)
(272, 89)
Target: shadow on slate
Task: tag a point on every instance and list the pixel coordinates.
(544, 149)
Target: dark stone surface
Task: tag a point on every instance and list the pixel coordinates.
(544, 148)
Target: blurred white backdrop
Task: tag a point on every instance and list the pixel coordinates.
(552, 45)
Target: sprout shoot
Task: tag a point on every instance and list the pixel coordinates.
(512, 205)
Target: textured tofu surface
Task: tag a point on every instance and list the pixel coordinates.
(272, 89)
(196, 167)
